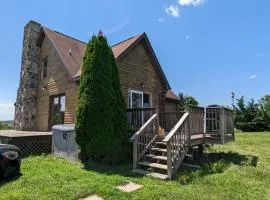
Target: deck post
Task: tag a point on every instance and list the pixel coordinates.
(135, 156)
(157, 112)
(233, 134)
(189, 129)
(169, 160)
(222, 125)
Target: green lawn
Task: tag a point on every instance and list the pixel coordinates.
(244, 173)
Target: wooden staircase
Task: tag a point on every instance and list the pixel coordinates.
(161, 157)
(154, 163)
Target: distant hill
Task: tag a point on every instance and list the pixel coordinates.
(8, 122)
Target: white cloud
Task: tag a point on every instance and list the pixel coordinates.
(161, 20)
(173, 10)
(117, 27)
(253, 76)
(187, 37)
(7, 111)
(191, 2)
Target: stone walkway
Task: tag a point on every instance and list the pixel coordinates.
(129, 187)
(92, 197)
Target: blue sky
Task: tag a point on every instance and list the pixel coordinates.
(206, 48)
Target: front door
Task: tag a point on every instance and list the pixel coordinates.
(57, 109)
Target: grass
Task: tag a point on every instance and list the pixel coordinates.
(239, 170)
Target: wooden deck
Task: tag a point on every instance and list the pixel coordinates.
(15, 133)
(209, 139)
(163, 141)
(29, 142)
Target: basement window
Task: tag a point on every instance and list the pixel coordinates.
(44, 68)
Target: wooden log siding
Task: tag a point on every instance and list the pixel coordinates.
(136, 72)
(170, 106)
(57, 82)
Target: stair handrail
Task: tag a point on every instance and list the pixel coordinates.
(175, 128)
(139, 132)
(142, 144)
(177, 141)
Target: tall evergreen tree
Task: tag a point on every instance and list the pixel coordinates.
(94, 125)
(121, 141)
(101, 111)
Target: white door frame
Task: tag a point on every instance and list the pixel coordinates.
(137, 92)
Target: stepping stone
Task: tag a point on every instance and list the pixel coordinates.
(92, 197)
(129, 187)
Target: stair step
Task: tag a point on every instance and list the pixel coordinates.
(154, 165)
(158, 149)
(156, 157)
(153, 174)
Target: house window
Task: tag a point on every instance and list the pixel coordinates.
(146, 100)
(44, 68)
(58, 108)
(138, 99)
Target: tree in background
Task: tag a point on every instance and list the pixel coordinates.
(186, 101)
(4, 126)
(248, 117)
(264, 110)
(100, 122)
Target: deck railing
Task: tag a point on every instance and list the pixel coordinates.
(219, 123)
(186, 129)
(177, 142)
(168, 120)
(138, 116)
(144, 138)
(213, 120)
(196, 123)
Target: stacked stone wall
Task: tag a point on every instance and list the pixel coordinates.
(25, 106)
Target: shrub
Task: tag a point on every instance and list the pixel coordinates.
(94, 119)
(119, 115)
(101, 115)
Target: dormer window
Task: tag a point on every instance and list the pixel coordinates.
(44, 67)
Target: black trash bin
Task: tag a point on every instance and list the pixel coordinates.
(10, 161)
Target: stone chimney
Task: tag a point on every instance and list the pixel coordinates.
(25, 106)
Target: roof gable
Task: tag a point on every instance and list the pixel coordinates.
(73, 60)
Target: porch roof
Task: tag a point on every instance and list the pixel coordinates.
(171, 95)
